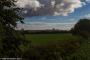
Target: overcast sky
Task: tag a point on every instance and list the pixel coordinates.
(48, 14)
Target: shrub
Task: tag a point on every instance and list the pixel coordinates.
(82, 28)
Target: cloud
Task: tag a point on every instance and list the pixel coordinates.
(31, 4)
(43, 26)
(88, 1)
(49, 7)
(86, 16)
(67, 6)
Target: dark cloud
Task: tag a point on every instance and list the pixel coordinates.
(49, 7)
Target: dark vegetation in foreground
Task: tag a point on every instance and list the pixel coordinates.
(14, 44)
(56, 50)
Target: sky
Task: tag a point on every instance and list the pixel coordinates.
(49, 14)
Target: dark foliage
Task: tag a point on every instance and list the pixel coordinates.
(9, 38)
(82, 28)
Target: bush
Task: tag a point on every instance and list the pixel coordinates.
(82, 28)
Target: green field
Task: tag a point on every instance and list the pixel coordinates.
(81, 53)
(49, 38)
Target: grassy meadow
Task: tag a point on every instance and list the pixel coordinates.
(66, 41)
(49, 38)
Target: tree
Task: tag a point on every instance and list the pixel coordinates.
(10, 39)
(82, 28)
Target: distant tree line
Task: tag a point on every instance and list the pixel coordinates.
(44, 31)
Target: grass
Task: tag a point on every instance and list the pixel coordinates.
(49, 38)
(81, 53)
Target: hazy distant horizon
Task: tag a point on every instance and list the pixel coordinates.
(46, 26)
